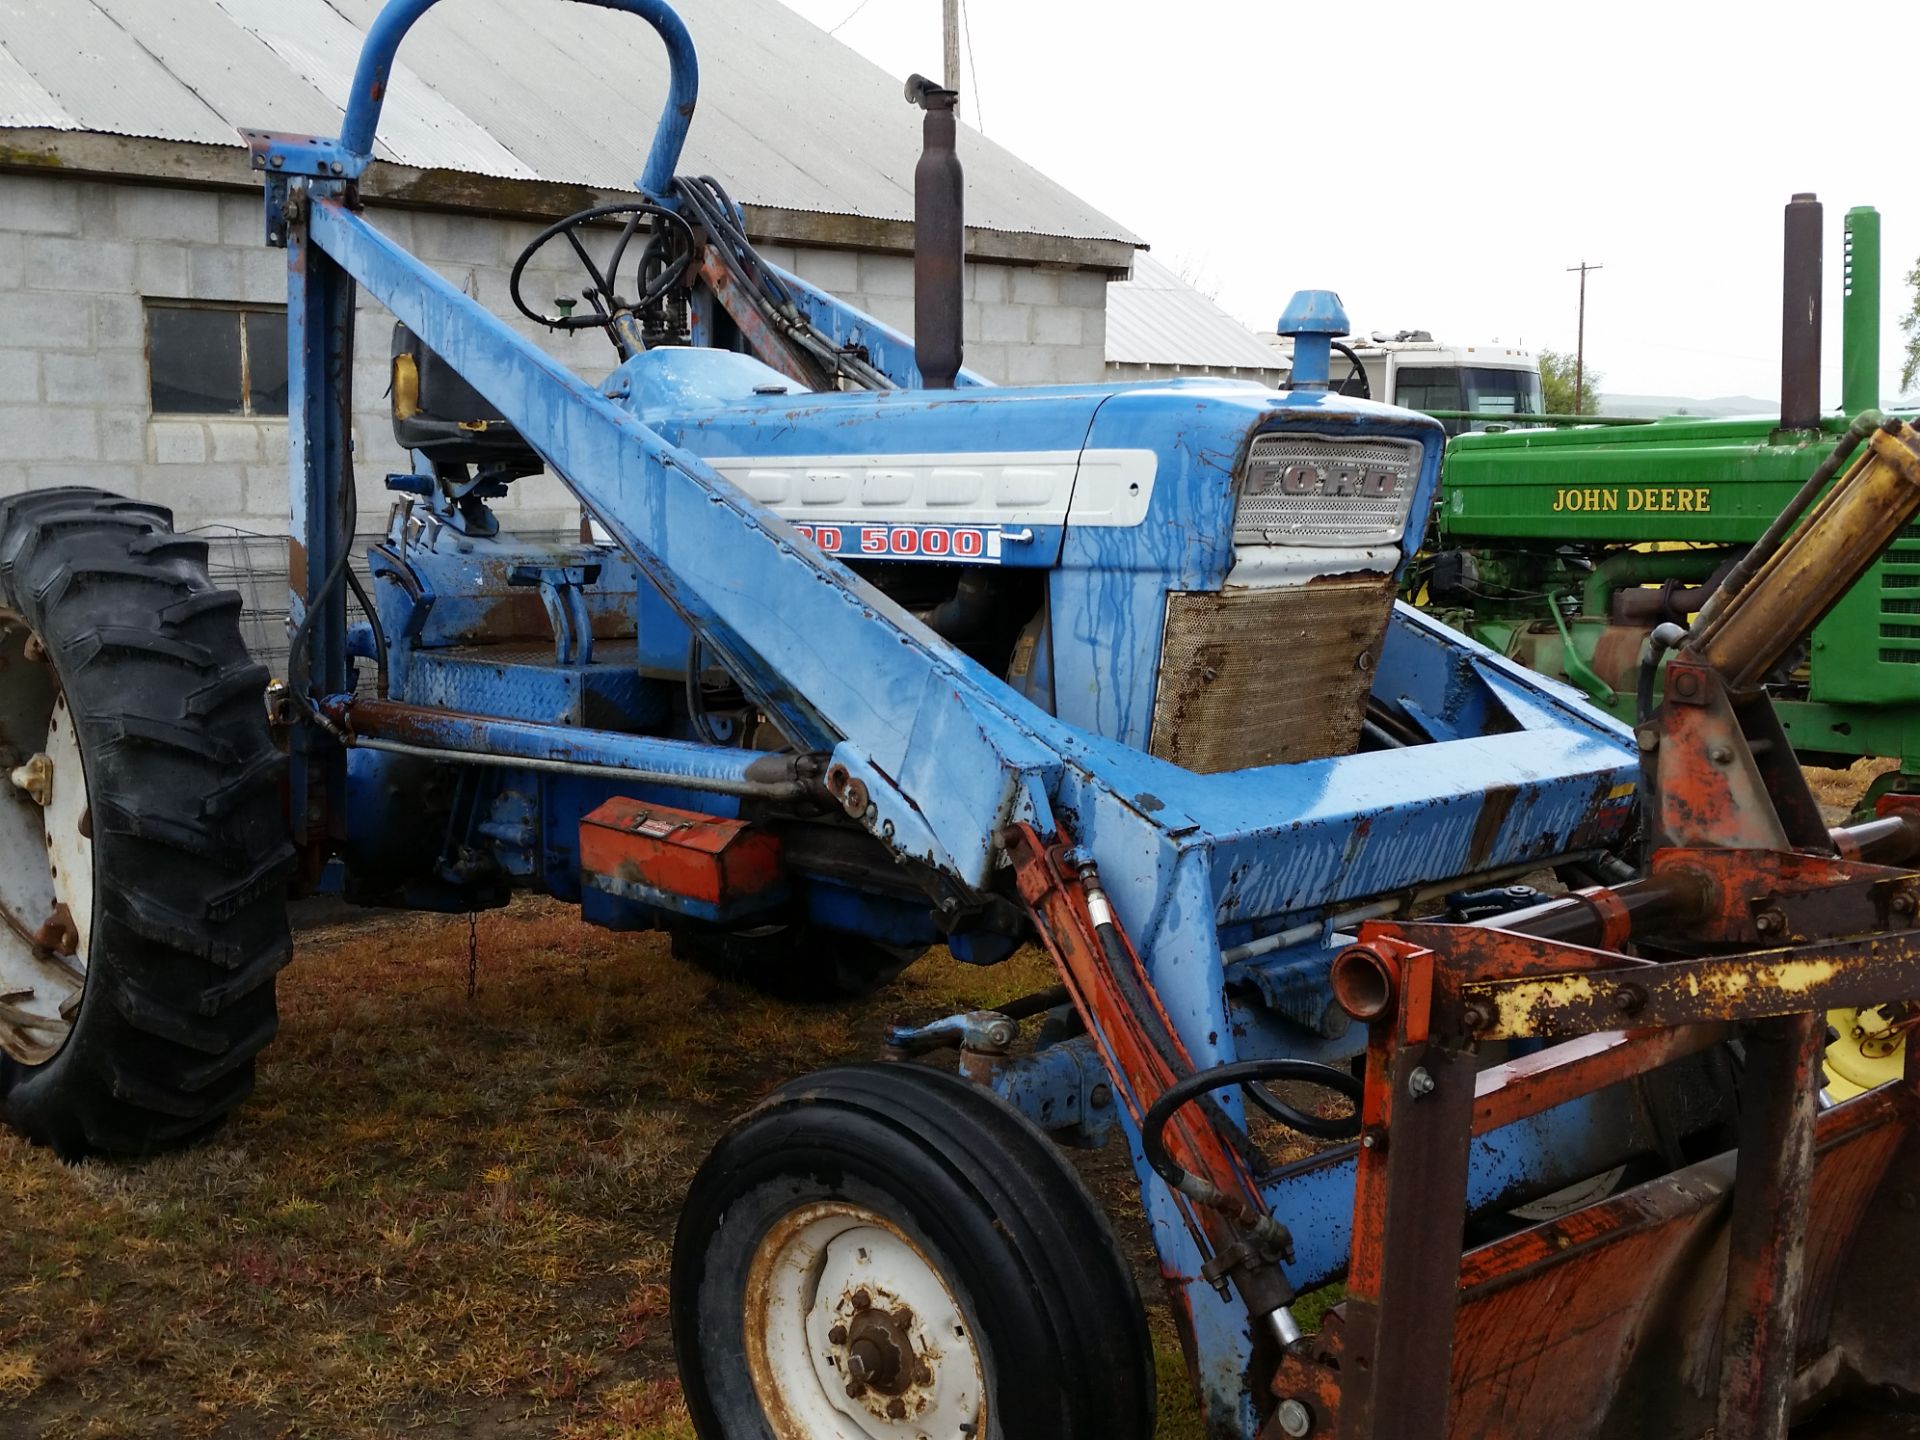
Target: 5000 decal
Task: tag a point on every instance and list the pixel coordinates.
(979, 543)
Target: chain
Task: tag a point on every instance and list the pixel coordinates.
(473, 954)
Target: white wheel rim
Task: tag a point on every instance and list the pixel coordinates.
(46, 854)
(836, 1293)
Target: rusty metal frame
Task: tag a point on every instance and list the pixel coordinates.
(1387, 1367)
(1750, 986)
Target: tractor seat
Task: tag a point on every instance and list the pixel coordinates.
(437, 413)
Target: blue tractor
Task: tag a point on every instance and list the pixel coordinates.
(862, 655)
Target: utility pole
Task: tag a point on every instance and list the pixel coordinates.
(1580, 346)
(950, 31)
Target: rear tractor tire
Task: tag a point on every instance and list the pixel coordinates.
(889, 1252)
(143, 849)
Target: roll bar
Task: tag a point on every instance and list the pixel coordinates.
(391, 25)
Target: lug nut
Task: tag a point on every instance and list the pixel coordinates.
(922, 1373)
(837, 1335)
(1420, 1083)
(862, 1300)
(855, 1389)
(36, 779)
(896, 1409)
(903, 1317)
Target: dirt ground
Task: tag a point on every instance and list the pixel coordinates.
(442, 1215)
(439, 1216)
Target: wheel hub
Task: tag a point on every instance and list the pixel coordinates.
(46, 852)
(854, 1333)
(879, 1348)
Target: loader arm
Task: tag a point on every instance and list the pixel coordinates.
(841, 667)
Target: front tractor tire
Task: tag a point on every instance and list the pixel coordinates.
(890, 1252)
(143, 849)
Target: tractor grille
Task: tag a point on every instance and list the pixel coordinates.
(1268, 676)
(1313, 490)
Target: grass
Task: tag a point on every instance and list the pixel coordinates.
(438, 1216)
(1838, 791)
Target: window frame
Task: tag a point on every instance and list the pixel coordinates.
(240, 310)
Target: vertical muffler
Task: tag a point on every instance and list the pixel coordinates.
(1800, 318)
(939, 237)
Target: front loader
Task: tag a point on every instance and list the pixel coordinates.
(867, 655)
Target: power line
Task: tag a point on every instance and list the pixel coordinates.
(966, 24)
(850, 14)
(1580, 349)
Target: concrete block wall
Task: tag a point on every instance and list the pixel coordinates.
(80, 258)
(1020, 325)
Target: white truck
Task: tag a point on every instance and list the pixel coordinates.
(1412, 369)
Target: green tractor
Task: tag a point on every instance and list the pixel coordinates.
(1567, 546)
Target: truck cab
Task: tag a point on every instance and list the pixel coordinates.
(1411, 369)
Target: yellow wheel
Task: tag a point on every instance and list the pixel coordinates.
(1870, 1049)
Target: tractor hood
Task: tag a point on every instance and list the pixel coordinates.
(1166, 460)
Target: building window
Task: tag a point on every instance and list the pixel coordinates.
(217, 359)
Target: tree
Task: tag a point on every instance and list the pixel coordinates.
(1910, 323)
(1556, 383)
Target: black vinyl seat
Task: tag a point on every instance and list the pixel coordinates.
(437, 413)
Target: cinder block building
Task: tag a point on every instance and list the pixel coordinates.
(142, 322)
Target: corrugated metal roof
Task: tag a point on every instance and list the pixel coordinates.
(789, 117)
(1156, 318)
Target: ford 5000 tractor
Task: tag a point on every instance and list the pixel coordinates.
(875, 656)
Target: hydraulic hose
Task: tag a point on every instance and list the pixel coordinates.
(1663, 639)
(716, 212)
(1252, 1074)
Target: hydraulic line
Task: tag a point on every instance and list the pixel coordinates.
(1662, 639)
(1252, 1074)
(715, 210)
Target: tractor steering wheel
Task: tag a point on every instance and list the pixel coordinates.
(1359, 372)
(603, 295)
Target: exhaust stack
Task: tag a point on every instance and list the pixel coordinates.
(1860, 312)
(1800, 317)
(939, 238)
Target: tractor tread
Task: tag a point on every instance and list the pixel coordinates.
(191, 850)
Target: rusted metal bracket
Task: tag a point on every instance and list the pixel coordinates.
(1806, 978)
(1409, 1206)
(1773, 1183)
(1769, 897)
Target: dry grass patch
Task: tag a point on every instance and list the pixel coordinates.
(439, 1215)
(1838, 791)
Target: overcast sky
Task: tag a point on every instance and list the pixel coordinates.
(1440, 165)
